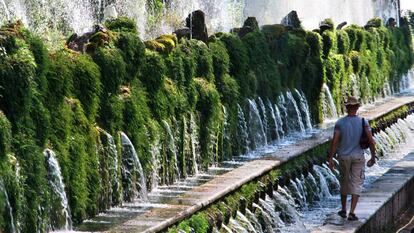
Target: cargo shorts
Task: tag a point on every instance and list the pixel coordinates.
(352, 174)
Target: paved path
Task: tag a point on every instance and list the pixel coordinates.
(176, 209)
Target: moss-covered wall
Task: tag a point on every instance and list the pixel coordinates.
(58, 99)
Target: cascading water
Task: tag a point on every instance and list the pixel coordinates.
(294, 111)
(155, 152)
(242, 131)
(6, 10)
(109, 148)
(281, 103)
(254, 221)
(354, 88)
(279, 121)
(323, 184)
(328, 105)
(195, 144)
(256, 128)
(3, 191)
(60, 214)
(130, 157)
(172, 150)
(275, 132)
(263, 116)
(304, 108)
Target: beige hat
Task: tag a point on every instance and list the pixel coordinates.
(352, 101)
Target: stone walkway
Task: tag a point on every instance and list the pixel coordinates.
(177, 209)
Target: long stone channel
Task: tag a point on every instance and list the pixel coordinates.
(160, 218)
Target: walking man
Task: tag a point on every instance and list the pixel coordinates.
(345, 143)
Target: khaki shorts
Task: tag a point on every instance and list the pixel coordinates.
(352, 171)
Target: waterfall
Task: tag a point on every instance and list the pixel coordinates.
(323, 185)
(242, 131)
(6, 10)
(304, 107)
(111, 153)
(281, 102)
(279, 121)
(354, 88)
(129, 152)
(172, 149)
(58, 187)
(236, 226)
(8, 207)
(256, 128)
(155, 152)
(268, 207)
(275, 123)
(314, 188)
(263, 117)
(254, 221)
(328, 105)
(295, 112)
(195, 144)
(226, 134)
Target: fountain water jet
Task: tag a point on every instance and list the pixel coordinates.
(58, 187)
(129, 152)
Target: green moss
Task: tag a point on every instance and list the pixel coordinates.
(199, 223)
(211, 119)
(221, 59)
(86, 84)
(315, 74)
(342, 40)
(132, 50)
(239, 63)
(329, 42)
(17, 72)
(112, 69)
(375, 22)
(5, 135)
(121, 24)
(266, 72)
(153, 72)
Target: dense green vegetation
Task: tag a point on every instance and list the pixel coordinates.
(58, 99)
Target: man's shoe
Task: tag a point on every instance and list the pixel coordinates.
(352, 217)
(342, 214)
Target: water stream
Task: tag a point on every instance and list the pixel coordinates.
(328, 105)
(9, 208)
(60, 216)
(130, 156)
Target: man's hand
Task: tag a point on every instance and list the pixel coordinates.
(371, 162)
(331, 163)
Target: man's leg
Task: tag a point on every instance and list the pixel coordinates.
(343, 202)
(354, 202)
(357, 180)
(344, 170)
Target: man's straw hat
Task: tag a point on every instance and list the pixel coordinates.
(352, 101)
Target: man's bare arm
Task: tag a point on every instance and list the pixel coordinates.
(334, 146)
